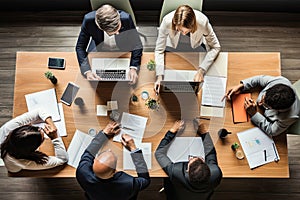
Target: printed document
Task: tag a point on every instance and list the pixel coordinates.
(258, 147)
(132, 125)
(79, 143)
(213, 91)
(45, 99)
(127, 160)
(182, 147)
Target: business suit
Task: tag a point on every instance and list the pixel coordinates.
(127, 40)
(119, 187)
(178, 186)
(203, 34)
(273, 122)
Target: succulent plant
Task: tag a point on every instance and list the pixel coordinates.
(151, 65)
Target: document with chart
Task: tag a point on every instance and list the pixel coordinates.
(133, 125)
(258, 147)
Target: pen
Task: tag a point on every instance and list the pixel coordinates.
(205, 118)
(265, 153)
(124, 127)
(276, 159)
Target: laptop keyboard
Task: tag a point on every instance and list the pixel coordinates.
(184, 87)
(112, 74)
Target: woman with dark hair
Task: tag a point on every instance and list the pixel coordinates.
(20, 140)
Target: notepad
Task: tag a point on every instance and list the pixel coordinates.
(127, 160)
(239, 113)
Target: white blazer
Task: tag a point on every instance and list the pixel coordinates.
(204, 34)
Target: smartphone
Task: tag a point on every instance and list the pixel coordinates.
(69, 93)
(56, 63)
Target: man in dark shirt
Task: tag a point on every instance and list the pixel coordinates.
(195, 179)
(108, 29)
(97, 175)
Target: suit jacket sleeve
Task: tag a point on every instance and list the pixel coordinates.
(211, 160)
(81, 46)
(214, 46)
(143, 179)
(161, 153)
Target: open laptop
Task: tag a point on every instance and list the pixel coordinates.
(111, 69)
(180, 81)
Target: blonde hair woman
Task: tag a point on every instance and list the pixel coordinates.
(185, 29)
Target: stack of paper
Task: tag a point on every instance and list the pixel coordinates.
(79, 143)
(132, 125)
(182, 147)
(258, 147)
(127, 160)
(213, 91)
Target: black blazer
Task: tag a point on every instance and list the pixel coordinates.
(121, 186)
(178, 186)
(127, 39)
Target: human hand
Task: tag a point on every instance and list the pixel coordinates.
(157, 84)
(128, 142)
(112, 128)
(234, 90)
(178, 125)
(132, 76)
(250, 106)
(51, 131)
(199, 76)
(92, 76)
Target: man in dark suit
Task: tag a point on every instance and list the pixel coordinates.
(195, 179)
(97, 175)
(109, 30)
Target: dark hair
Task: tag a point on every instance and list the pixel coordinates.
(199, 172)
(184, 16)
(280, 96)
(22, 142)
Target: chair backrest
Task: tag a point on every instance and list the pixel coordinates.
(118, 4)
(170, 5)
(295, 128)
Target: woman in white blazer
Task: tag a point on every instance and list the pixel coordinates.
(185, 21)
(20, 141)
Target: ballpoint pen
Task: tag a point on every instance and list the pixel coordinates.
(276, 156)
(265, 154)
(124, 127)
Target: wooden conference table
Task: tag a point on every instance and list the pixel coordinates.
(29, 78)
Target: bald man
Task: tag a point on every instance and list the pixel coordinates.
(97, 175)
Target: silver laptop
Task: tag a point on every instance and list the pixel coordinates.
(180, 81)
(111, 69)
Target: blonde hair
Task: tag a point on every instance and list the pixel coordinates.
(184, 16)
(107, 18)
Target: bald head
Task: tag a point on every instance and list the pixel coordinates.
(105, 165)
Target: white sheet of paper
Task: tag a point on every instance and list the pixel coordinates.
(213, 91)
(219, 66)
(1, 162)
(45, 99)
(211, 111)
(101, 110)
(182, 147)
(78, 145)
(134, 122)
(127, 160)
(254, 141)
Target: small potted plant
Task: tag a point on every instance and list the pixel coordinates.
(151, 65)
(152, 104)
(51, 77)
(238, 153)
